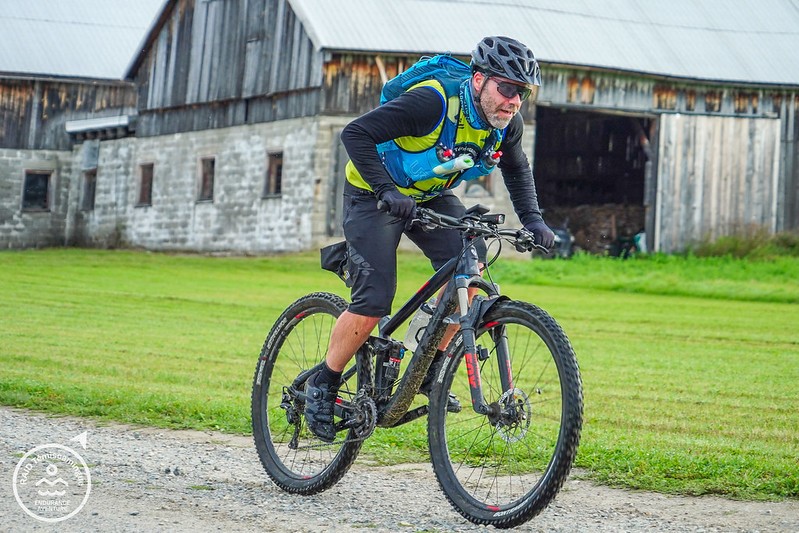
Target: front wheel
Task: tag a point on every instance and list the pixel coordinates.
(293, 457)
(504, 468)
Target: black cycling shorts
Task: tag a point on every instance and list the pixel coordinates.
(373, 237)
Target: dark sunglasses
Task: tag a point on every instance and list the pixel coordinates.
(509, 90)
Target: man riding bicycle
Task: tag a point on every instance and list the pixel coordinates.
(487, 128)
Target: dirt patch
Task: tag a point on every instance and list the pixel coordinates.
(145, 479)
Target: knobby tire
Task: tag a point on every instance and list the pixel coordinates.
(505, 473)
(297, 342)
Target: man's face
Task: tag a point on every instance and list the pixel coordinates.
(497, 108)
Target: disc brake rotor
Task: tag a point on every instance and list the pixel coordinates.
(516, 415)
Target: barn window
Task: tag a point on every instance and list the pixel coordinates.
(740, 102)
(745, 103)
(713, 101)
(36, 191)
(665, 97)
(690, 100)
(274, 175)
(145, 184)
(207, 179)
(89, 187)
(776, 103)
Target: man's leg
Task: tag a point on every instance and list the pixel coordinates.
(349, 333)
(372, 239)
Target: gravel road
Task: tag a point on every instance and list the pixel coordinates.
(144, 479)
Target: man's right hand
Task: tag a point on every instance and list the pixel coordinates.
(398, 205)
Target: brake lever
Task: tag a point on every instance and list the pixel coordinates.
(524, 241)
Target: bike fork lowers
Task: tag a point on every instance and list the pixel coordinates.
(468, 323)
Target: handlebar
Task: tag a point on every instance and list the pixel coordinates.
(477, 223)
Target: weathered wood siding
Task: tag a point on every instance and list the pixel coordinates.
(33, 112)
(582, 89)
(220, 63)
(788, 200)
(16, 100)
(716, 176)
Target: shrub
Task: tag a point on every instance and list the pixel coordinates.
(752, 243)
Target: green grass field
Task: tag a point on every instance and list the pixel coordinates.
(690, 366)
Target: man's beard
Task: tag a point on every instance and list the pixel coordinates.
(498, 122)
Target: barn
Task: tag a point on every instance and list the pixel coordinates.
(677, 122)
(62, 66)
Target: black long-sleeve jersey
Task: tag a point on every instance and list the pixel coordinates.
(416, 113)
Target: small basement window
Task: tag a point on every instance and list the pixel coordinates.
(145, 184)
(36, 191)
(207, 165)
(274, 175)
(89, 187)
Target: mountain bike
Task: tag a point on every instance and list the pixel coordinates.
(500, 461)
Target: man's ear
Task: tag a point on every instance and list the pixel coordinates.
(478, 79)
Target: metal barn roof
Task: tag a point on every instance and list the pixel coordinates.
(73, 38)
(751, 41)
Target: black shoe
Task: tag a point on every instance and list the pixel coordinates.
(453, 404)
(319, 402)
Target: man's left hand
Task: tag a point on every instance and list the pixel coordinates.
(543, 235)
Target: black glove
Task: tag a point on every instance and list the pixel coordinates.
(543, 235)
(398, 205)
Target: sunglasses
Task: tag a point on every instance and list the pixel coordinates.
(509, 90)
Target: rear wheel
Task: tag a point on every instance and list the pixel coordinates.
(504, 468)
(293, 457)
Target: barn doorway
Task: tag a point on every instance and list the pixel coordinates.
(592, 173)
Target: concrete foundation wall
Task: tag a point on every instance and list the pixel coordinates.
(239, 219)
(33, 228)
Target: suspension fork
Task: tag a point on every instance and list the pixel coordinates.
(500, 337)
(468, 322)
(473, 355)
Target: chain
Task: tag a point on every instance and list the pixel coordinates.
(367, 406)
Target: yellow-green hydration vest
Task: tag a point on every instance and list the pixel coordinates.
(415, 163)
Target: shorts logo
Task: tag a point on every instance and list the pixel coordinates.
(358, 260)
(52, 482)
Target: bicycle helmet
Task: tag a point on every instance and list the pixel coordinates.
(508, 58)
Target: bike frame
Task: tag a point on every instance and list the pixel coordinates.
(459, 274)
(464, 272)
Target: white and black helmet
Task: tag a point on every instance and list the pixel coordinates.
(508, 58)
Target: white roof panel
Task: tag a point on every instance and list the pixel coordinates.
(752, 41)
(73, 38)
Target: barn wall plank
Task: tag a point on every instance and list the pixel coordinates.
(717, 176)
